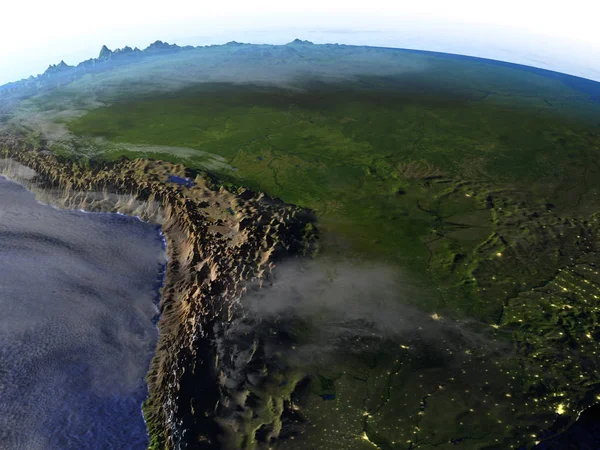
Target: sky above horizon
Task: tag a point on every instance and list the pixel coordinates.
(534, 32)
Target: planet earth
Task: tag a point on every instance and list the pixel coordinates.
(368, 248)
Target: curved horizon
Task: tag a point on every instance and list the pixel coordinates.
(532, 33)
(520, 65)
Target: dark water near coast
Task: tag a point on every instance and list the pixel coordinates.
(77, 325)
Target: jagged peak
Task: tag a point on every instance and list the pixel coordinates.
(105, 52)
(123, 50)
(300, 42)
(160, 45)
(53, 68)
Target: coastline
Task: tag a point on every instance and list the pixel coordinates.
(79, 328)
(216, 243)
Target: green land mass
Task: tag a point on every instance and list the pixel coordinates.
(479, 182)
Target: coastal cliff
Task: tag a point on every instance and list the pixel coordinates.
(219, 244)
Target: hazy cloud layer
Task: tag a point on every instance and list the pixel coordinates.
(318, 313)
(77, 295)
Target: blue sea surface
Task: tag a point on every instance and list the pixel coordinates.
(584, 434)
(78, 296)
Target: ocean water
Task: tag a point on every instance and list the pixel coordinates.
(78, 295)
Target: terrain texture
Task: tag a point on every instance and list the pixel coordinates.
(453, 302)
(217, 243)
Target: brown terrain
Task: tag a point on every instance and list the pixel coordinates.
(219, 244)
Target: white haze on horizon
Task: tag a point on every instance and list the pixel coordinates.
(550, 35)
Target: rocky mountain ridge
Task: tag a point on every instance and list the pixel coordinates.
(219, 244)
(62, 73)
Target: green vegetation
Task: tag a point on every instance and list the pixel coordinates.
(349, 151)
(481, 181)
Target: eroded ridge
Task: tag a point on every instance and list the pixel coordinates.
(217, 242)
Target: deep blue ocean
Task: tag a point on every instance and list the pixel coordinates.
(78, 296)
